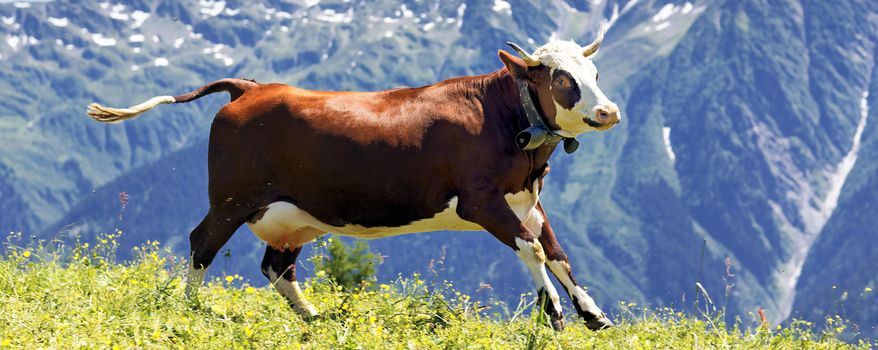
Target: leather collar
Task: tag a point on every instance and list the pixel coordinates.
(537, 121)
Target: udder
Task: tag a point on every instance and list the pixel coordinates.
(282, 225)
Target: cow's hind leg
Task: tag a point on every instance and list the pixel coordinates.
(280, 268)
(206, 240)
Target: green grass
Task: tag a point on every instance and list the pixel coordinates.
(57, 297)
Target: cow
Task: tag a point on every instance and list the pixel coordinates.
(467, 153)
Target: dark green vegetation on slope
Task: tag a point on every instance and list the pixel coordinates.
(91, 301)
(760, 99)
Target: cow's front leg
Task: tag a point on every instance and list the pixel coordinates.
(495, 215)
(595, 319)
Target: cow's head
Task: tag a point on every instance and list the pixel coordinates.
(565, 81)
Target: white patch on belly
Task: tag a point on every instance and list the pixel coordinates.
(286, 225)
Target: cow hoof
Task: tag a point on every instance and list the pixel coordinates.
(599, 323)
(313, 318)
(558, 325)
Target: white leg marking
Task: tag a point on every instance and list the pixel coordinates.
(534, 222)
(534, 258)
(561, 269)
(293, 293)
(194, 279)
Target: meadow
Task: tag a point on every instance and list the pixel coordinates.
(76, 296)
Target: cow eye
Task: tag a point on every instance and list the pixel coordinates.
(561, 82)
(596, 76)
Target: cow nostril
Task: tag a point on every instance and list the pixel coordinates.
(602, 115)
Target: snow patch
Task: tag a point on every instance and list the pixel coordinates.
(502, 6)
(664, 13)
(13, 41)
(310, 3)
(101, 40)
(160, 62)
(136, 38)
(687, 8)
(231, 13)
(406, 12)
(21, 5)
(135, 68)
(20, 41)
(813, 210)
(117, 14)
(662, 25)
(613, 17)
(428, 26)
(388, 34)
(59, 22)
(228, 61)
(666, 135)
(837, 178)
(212, 8)
(178, 43)
(139, 17)
(9, 20)
(329, 15)
(215, 50)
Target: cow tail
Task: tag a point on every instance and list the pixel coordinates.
(235, 88)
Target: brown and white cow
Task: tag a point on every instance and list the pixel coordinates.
(295, 164)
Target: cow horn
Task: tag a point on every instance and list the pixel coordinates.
(528, 59)
(592, 48)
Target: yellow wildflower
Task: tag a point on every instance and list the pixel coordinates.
(6, 342)
(230, 279)
(867, 290)
(26, 254)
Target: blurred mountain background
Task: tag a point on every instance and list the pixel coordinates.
(747, 159)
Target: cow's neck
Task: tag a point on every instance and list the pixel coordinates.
(501, 94)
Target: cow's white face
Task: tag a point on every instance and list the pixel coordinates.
(580, 105)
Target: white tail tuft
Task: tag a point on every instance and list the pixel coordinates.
(117, 115)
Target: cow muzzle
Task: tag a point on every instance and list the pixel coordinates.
(605, 116)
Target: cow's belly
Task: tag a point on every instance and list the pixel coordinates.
(284, 224)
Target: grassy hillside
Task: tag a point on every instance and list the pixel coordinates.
(63, 297)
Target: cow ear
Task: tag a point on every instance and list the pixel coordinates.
(515, 65)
